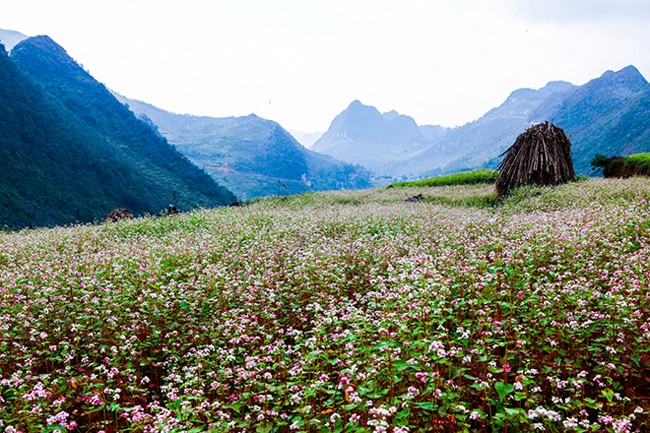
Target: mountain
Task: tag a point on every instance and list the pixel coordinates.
(70, 152)
(251, 156)
(608, 115)
(9, 38)
(362, 135)
(479, 143)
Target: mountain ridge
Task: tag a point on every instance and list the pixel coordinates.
(360, 134)
(252, 156)
(594, 114)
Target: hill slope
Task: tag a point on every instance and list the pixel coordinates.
(84, 153)
(252, 156)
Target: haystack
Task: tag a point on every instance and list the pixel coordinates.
(539, 156)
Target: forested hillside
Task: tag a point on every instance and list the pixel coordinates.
(251, 156)
(70, 152)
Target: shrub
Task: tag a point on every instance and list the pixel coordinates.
(623, 166)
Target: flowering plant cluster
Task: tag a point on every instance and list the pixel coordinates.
(342, 311)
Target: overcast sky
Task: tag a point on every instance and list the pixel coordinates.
(301, 62)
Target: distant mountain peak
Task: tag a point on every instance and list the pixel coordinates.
(543, 92)
(629, 71)
(360, 134)
(9, 38)
(356, 107)
(629, 77)
(390, 115)
(43, 41)
(557, 86)
(53, 57)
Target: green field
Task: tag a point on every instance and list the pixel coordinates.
(642, 160)
(462, 178)
(347, 311)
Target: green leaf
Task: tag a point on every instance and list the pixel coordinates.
(503, 389)
(493, 269)
(403, 365)
(520, 396)
(512, 413)
(95, 409)
(426, 405)
(236, 406)
(608, 394)
(264, 428)
(403, 414)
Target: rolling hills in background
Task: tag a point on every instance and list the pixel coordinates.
(608, 115)
(70, 152)
(251, 156)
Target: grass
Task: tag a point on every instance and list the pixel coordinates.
(641, 160)
(463, 178)
(347, 311)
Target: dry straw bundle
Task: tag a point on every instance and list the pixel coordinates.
(539, 156)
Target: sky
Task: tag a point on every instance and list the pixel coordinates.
(302, 62)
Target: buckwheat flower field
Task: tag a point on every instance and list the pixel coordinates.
(341, 312)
